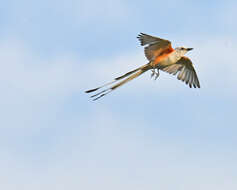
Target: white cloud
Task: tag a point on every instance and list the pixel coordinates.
(32, 85)
(107, 155)
(27, 73)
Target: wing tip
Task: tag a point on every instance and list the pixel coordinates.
(140, 38)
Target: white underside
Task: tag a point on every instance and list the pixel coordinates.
(169, 60)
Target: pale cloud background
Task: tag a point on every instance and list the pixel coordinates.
(147, 134)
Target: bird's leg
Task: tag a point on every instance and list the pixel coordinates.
(153, 72)
(157, 74)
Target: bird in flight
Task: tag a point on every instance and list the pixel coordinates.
(161, 56)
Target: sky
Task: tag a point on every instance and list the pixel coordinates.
(145, 135)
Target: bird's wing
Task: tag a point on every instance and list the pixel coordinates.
(155, 46)
(186, 71)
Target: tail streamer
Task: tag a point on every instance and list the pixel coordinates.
(127, 77)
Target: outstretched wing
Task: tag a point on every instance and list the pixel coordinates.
(186, 71)
(155, 46)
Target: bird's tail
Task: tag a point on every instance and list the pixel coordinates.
(127, 77)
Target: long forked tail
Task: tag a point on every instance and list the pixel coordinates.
(128, 76)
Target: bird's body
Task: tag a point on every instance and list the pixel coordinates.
(161, 56)
(164, 60)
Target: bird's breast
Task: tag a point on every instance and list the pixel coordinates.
(165, 60)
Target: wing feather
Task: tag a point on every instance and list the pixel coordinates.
(154, 46)
(186, 71)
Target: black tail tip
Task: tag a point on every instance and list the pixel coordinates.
(92, 90)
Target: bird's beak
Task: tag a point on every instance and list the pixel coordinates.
(189, 49)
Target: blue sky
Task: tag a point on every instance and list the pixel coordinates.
(147, 134)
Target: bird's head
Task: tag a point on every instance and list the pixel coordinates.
(182, 50)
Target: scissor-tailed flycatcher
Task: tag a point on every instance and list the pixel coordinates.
(161, 56)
